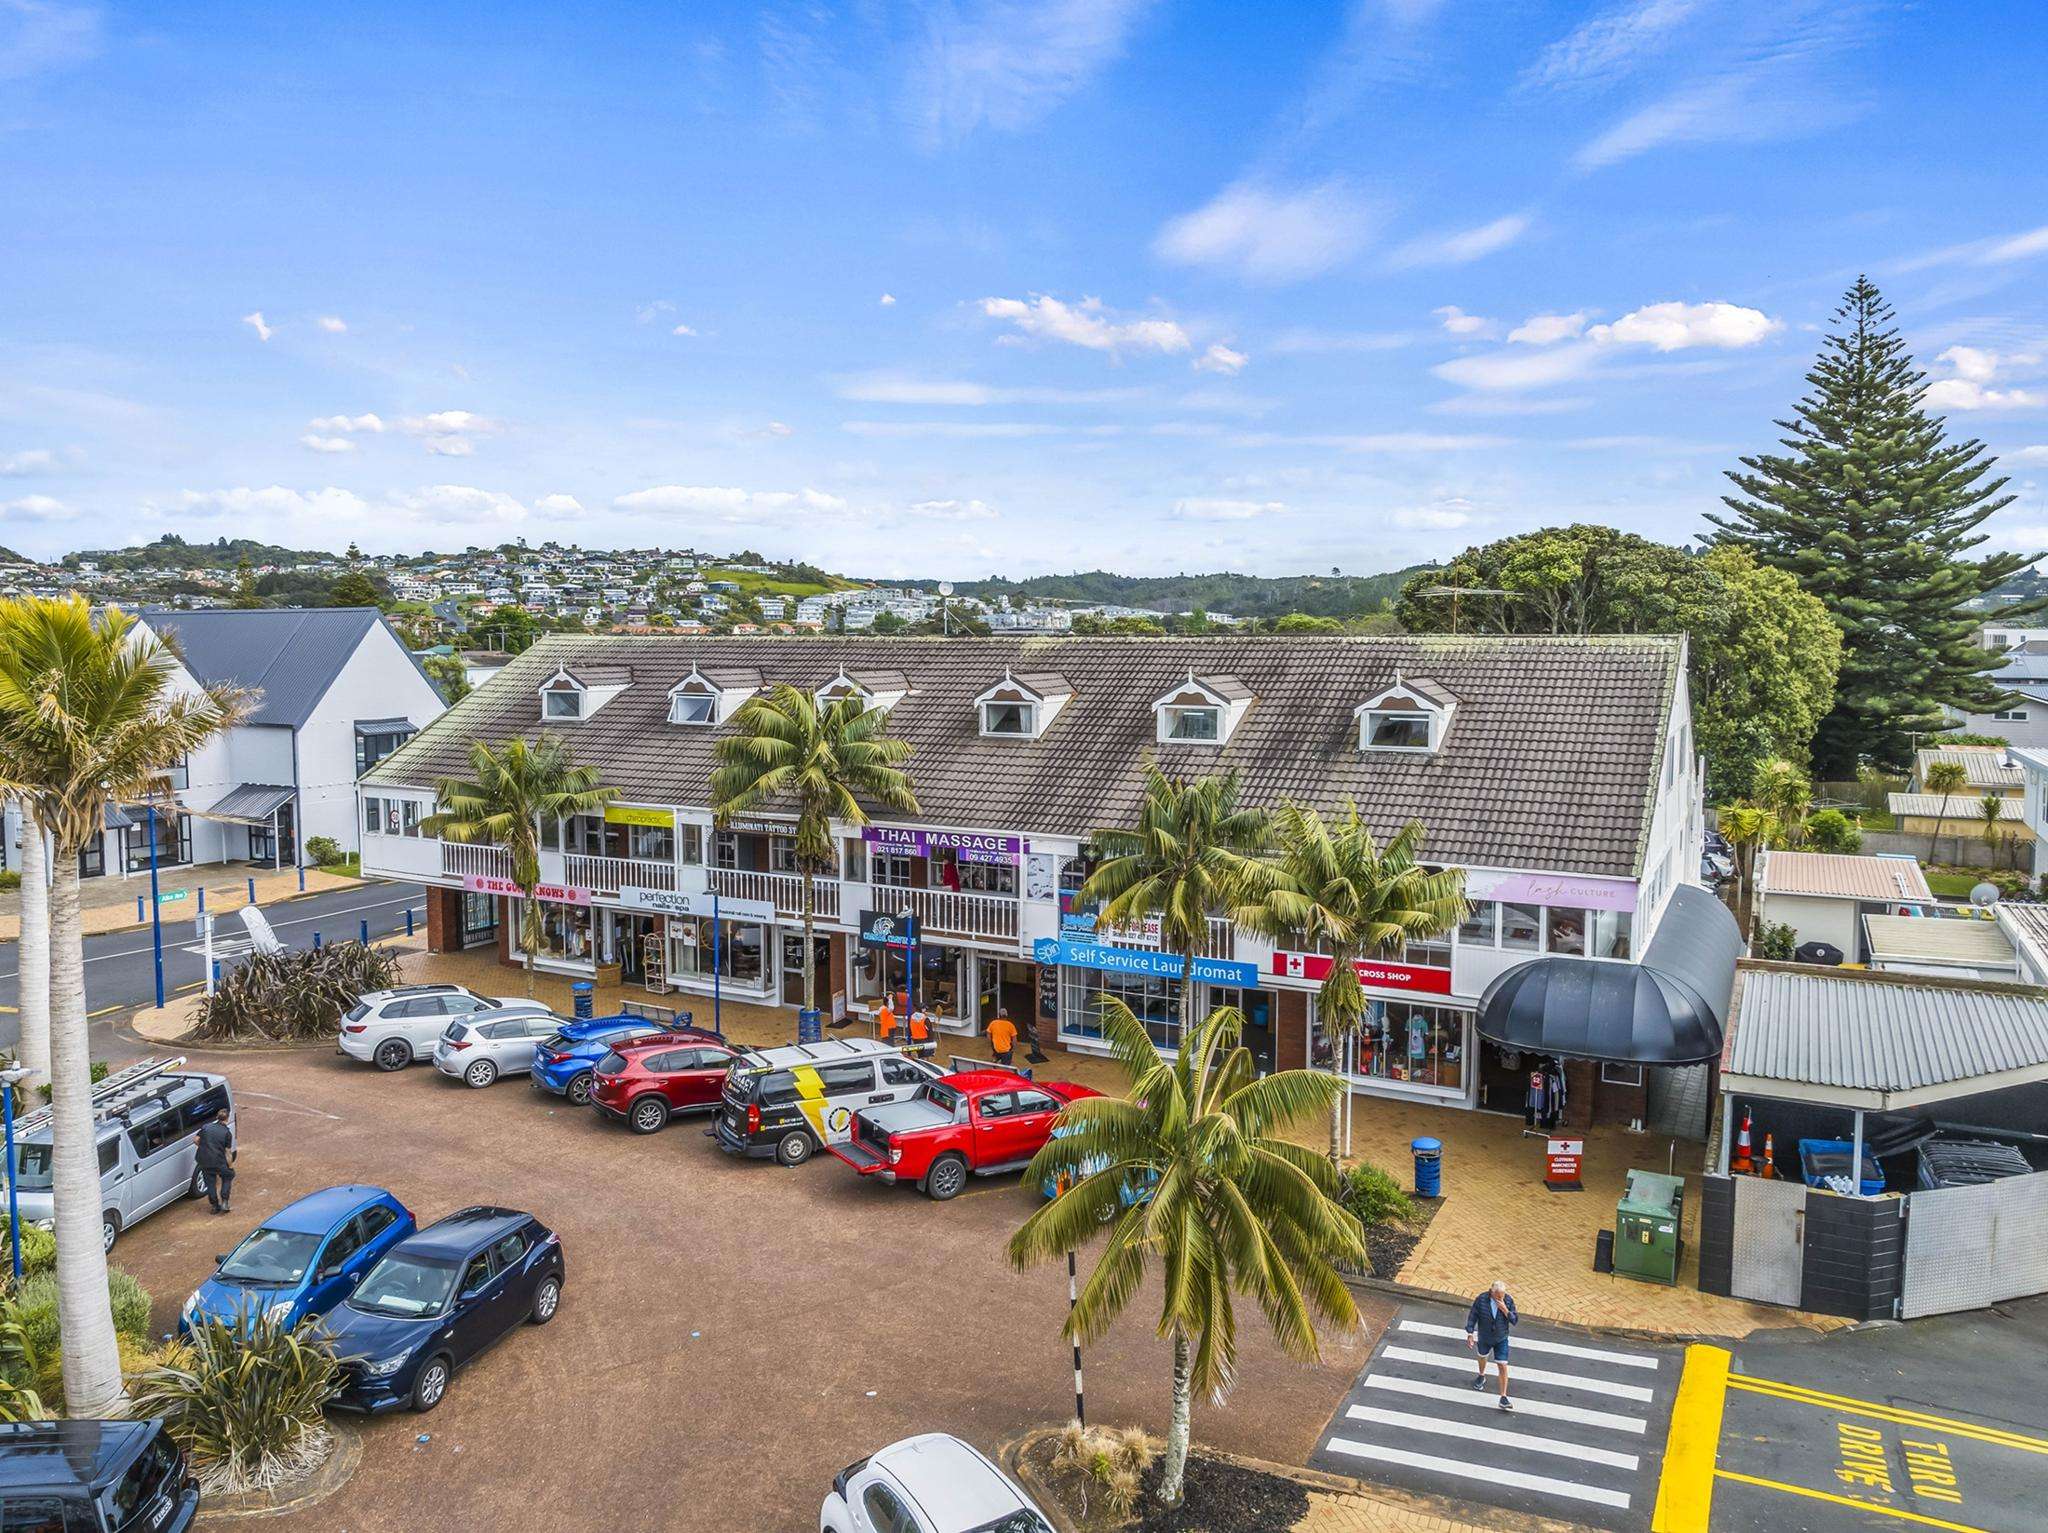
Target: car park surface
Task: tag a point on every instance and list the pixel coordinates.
(751, 1329)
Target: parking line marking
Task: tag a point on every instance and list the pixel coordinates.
(1491, 1474)
(1526, 1442)
(1685, 1490)
(1862, 1506)
(1476, 1401)
(103, 1011)
(1595, 1354)
(1521, 1371)
(1799, 1394)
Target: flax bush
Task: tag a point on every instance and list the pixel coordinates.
(291, 997)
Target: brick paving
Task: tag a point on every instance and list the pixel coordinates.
(108, 904)
(1331, 1512)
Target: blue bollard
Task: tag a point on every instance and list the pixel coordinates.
(302, 878)
(585, 999)
(316, 942)
(216, 974)
(252, 891)
(202, 899)
(1429, 1167)
(138, 909)
(366, 931)
(408, 920)
(810, 1026)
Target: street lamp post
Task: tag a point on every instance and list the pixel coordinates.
(10, 1078)
(156, 909)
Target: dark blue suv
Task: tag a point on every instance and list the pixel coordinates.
(438, 1299)
(121, 1476)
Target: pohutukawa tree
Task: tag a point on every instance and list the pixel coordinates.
(1873, 510)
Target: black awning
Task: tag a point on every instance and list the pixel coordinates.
(1667, 1010)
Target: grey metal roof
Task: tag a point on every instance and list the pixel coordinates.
(1882, 1034)
(290, 656)
(397, 726)
(1553, 765)
(251, 801)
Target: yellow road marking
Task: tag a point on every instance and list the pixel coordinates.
(1799, 1394)
(8, 1010)
(1862, 1506)
(1685, 1490)
(103, 1011)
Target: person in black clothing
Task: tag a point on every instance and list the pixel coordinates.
(217, 1161)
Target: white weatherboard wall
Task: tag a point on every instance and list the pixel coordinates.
(379, 681)
(1814, 919)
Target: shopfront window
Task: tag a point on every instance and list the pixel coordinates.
(782, 854)
(690, 844)
(949, 871)
(479, 917)
(1564, 931)
(1400, 1042)
(1480, 928)
(1611, 933)
(891, 869)
(651, 843)
(1154, 1001)
(725, 849)
(740, 956)
(874, 972)
(565, 932)
(1521, 927)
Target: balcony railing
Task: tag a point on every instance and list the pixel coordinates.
(782, 890)
(459, 859)
(947, 913)
(606, 875)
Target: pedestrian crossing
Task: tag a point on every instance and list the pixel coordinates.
(1583, 1442)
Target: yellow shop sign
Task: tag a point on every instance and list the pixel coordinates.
(628, 814)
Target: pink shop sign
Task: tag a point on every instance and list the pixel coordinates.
(555, 894)
(1565, 889)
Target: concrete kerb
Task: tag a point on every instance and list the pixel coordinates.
(166, 1028)
(334, 1472)
(1459, 1301)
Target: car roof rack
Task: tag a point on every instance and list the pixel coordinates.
(119, 1094)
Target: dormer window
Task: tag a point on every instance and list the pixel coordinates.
(1407, 716)
(562, 698)
(693, 708)
(567, 696)
(1204, 710)
(875, 689)
(1021, 707)
(1009, 719)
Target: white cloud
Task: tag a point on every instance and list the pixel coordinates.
(559, 505)
(887, 300)
(1270, 235)
(1206, 509)
(1462, 246)
(778, 428)
(437, 510)
(1458, 322)
(1221, 359)
(1384, 441)
(320, 443)
(37, 508)
(1605, 46)
(726, 502)
(333, 324)
(2032, 455)
(1971, 362)
(1440, 517)
(1007, 63)
(460, 503)
(1086, 324)
(347, 423)
(683, 330)
(450, 433)
(1303, 342)
(1678, 326)
(36, 460)
(256, 322)
(1547, 329)
(40, 35)
(450, 446)
(955, 510)
(1511, 370)
(962, 429)
(902, 389)
(1964, 394)
(648, 313)
(1999, 250)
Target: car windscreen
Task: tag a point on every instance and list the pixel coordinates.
(404, 1284)
(357, 1012)
(32, 1167)
(271, 1256)
(1023, 1520)
(145, 1479)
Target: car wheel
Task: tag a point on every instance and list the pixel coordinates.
(196, 1188)
(546, 1300)
(578, 1091)
(649, 1115)
(393, 1054)
(110, 1229)
(431, 1387)
(946, 1178)
(794, 1149)
(480, 1074)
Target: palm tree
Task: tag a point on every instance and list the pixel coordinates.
(1234, 1208)
(86, 716)
(1192, 850)
(33, 950)
(1747, 827)
(1942, 777)
(1787, 792)
(514, 788)
(1990, 809)
(1334, 889)
(785, 749)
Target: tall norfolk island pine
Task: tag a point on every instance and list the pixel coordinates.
(1874, 511)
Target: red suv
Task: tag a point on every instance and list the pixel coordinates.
(650, 1080)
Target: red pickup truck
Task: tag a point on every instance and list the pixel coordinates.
(972, 1123)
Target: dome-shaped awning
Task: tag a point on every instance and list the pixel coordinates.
(1667, 1010)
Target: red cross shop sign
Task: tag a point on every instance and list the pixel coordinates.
(1373, 973)
(1561, 1161)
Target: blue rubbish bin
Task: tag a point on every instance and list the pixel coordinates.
(810, 1026)
(586, 1007)
(1429, 1167)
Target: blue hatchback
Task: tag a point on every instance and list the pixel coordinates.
(563, 1063)
(304, 1259)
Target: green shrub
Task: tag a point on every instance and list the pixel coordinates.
(19, 1368)
(245, 1401)
(1374, 1196)
(1830, 830)
(9, 880)
(284, 997)
(1777, 941)
(38, 1250)
(324, 850)
(35, 1306)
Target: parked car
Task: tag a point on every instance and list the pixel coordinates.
(974, 1123)
(563, 1062)
(932, 1483)
(304, 1259)
(69, 1476)
(792, 1101)
(646, 1082)
(393, 1028)
(494, 1043)
(1127, 1190)
(437, 1300)
(145, 1116)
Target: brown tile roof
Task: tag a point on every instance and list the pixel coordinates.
(1842, 876)
(1552, 761)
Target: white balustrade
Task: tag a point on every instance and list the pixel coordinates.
(947, 912)
(782, 890)
(607, 875)
(461, 859)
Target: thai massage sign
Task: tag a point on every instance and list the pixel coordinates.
(967, 845)
(1578, 891)
(553, 894)
(1373, 973)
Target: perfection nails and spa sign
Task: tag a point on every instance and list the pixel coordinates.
(967, 845)
(1566, 889)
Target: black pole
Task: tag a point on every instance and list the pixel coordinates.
(1073, 1302)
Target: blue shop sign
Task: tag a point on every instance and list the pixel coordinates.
(1135, 960)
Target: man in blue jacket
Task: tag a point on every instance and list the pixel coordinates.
(1487, 1324)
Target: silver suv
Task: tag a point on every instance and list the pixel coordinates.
(477, 1050)
(393, 1028)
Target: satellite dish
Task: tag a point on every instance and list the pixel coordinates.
(261, 937)
(945, 588)
(1984, 896)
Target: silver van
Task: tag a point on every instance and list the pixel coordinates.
(145, 1115)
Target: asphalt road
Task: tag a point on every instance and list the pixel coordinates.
(120, 969)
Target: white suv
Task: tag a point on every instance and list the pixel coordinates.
(927, 1484)
(393, 1028)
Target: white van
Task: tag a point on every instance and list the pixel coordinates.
(791, 1102)
(145, 1116)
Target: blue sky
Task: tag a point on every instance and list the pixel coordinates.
(979, 286)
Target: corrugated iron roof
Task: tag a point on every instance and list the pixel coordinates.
(289, 656)
(1841, 876)
(1906, 939)
(1984, 766)
(1962, 806)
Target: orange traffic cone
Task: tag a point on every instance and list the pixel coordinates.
(1743, 1161)
(1770, 1157)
